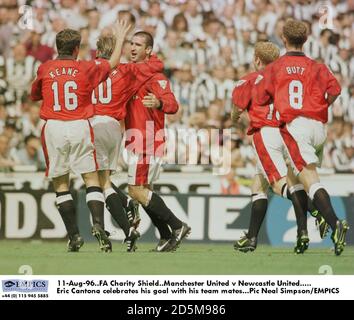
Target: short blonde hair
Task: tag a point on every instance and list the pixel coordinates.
(266, 51)
(105, 46)
(295, 32)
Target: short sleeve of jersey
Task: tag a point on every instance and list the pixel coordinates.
(242, 94)
(160, 87)
(97, 71)
(331, 84)
(264, 87)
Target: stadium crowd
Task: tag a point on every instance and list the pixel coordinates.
(207, 45)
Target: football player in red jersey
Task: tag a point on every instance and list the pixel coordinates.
(302, 90)
(270, 151)
(144, 122)
(109, 100)
(65, 85)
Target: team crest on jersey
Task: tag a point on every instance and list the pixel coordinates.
(162, 83)
(239, 83)
(97, 62)
(259, 79)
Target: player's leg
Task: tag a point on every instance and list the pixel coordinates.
(163, 228)
(270, 152)
(113, 201)
(321, 224)
(140, 194)
(95, 202)
(67, 210)
(83, 161)
(55, 146)
(321, 199)
(143, 171)
(302, 137)
(131, 207)
(161, 216)
(115, 207)
(258, 211)
(299, 200)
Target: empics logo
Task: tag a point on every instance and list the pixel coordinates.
(24, 285)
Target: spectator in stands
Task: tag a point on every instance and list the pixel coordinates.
(214, 114)
(35, 48)
(20, 71)
(3, 117)
(343, 157)
(231, 186)
(6, 161)
(10, 130)
(206, 45)
(31, 154)
(31, 123)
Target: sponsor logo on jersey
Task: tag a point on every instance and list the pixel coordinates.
(163, 84)
(239, 83)
(259, 79)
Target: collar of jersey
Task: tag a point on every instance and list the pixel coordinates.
(295, 53)
(65, 57)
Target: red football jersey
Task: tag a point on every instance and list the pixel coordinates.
(111, 96)
(66, 85)
(149, 123)
(298, 86)
(260, 116)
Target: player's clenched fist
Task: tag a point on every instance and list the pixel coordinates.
(150, 101)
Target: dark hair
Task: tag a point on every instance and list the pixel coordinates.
(30, 137)
(132, 18)
(295, 32)
(323, 31)
(149, 40)
(67, 40)
(177, 18)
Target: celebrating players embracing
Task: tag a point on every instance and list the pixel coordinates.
(270, 151)
(109, 100)
(144, 123)
(302, 91)
(65, 86)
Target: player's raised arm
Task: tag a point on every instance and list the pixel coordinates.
(121, 30)
(241, 98)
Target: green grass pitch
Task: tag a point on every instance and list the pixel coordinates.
(192, 259)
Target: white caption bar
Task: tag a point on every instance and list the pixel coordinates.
(176, 287)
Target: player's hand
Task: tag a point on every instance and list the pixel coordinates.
(121, 29)
(150, 101)
(235, 115)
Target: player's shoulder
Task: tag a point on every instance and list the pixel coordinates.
(92, 63)
(320, 66)
(247, 79)
(159, 79)
(159, 76)
(48, 64)
(124, 67)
